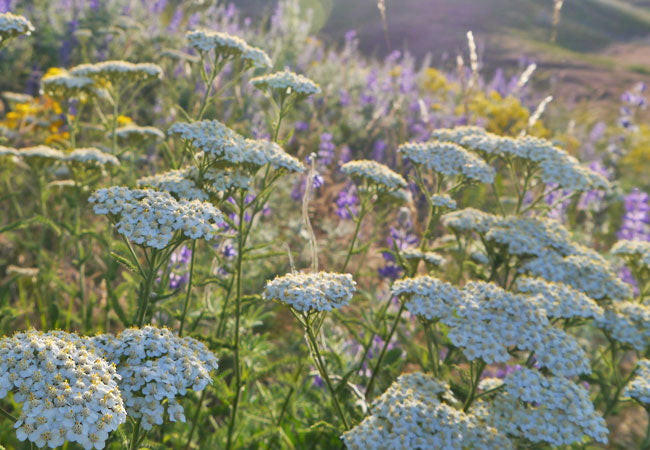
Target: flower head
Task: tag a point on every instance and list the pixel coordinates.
(12, 25)
(90, 157)
(374, 174)
(639, 387)
(286, 83)
(118, 71)
(227, 45)
(322, 291)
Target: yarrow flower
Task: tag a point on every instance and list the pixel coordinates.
(428, 297)
(12, 25)
(177, 182)
(628, 323)
(443, 201)
(150, 217)
(118, 71)
(639, 387)
(90, 157)
(227, 45)
(553, 410)
(411, 414)
(221, 143)
(635, 251)
(415, 254)
(155, 365)
(62, 85)
(374, 174)
(530, 235)
(40, 154)
(448, 159)
(286, 83)
(307, 292)
(585, 270)
(490, 321)
(68, 393)
(135, 133)
(560, 300)
(469, 219)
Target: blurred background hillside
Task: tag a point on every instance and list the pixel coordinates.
(602, 46)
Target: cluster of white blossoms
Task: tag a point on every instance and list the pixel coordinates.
(132, 132)
(151, 218)
(443, 201)
(448, 159)
(116, 71)
(155, 365)
(586, 271)
(428, 297)
(227, 45)
(552, 410)
(469, 219)
(530, 236)
(40, 153)
(556, 166)
(12, 25)
(68, 393)
(637, 251)
(8, 151)
(66, 86)
(90, 156)
(560, 300)
(307, 292)
(639, 387)
(286, 82)
(374, 174)
(410, 414)
(227, 178)
(628, 323)
(219, 142)
(414, 253)
(177, 182)
(490, 321)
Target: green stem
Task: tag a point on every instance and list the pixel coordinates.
(195, 419)
(354, 237)
(7, 415)
(136, 436)
(433, 353)
(189, 289)
(148, 282)
(323, 372)
(281, 114)
(240, 251)
(375, 370)
(475, 376)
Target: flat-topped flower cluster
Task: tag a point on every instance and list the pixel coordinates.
(12, 25)
(308, 292)
(227, 45)
(151, 218)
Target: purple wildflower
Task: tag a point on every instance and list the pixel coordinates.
(346, 203)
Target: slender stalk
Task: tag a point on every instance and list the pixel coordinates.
(375, 370)
(189, 289)
(433, 353)
(323, 371)
(240, 251)
(148, 282)
(476, 370)
(7, 415)
(195, 419)
(136, 435)
(281, 114)
(356, 234)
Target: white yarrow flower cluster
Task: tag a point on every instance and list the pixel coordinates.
(428, 297)
(443, 201)
(560, 300)
(218, 141)
(553, 410)
(40, 153)
(151, 218)
(374, 174)
(227, 178)
(448, 159)
(307, 292)
(637, 251)
(586, 271)
(227, 45)
(628, 323)
(12, 25)
(414, 253)
(469, 219)
(530, 236)
(68, 393)
(490, 321)
(65, 86)
(8, 151)
(177, 182)
(286, 82)
(411, 415)
(155, 365)
(133, 132)
(639, 387)
(116, 71)
(90, 156)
